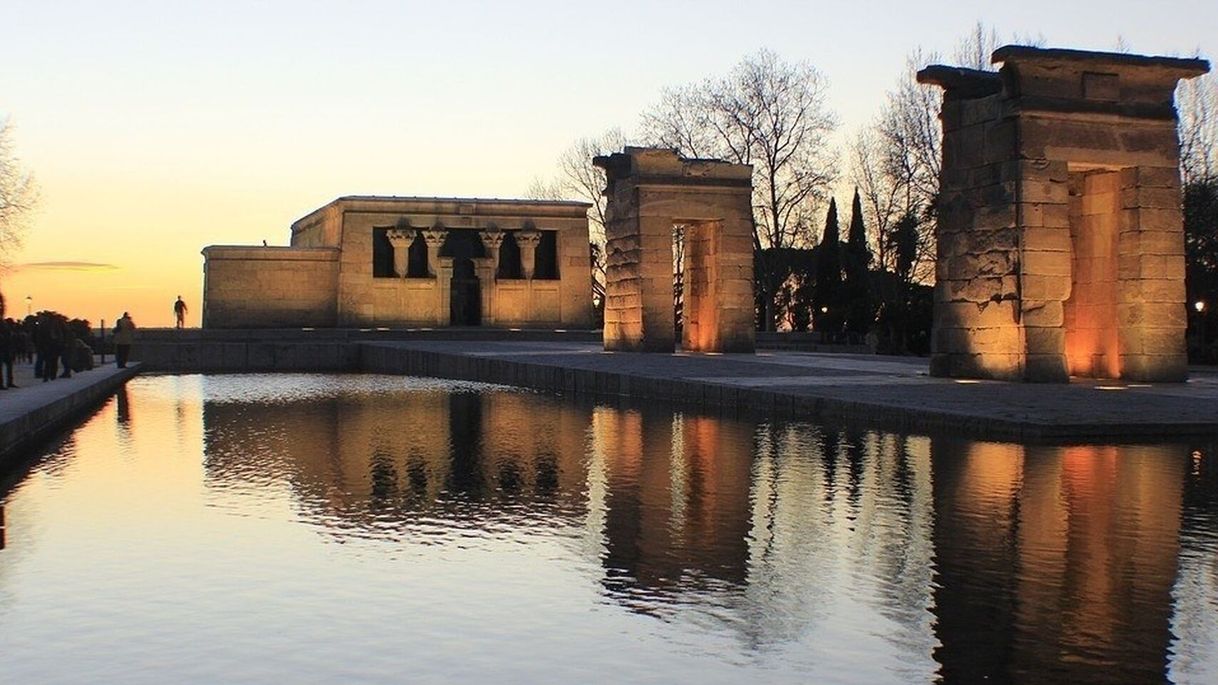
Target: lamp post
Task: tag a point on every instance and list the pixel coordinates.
(1198, 340)
(29, 305)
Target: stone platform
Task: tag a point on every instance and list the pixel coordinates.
(35, 409)
(887, 392)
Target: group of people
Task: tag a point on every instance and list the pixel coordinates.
(51, 340)
(57, 346)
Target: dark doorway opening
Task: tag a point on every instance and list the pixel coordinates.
(465, 298)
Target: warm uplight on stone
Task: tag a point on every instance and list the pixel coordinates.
(397, 261)
(649, 191)
(1060, 238)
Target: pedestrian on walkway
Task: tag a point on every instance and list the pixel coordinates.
(8, 352)
(124, 336)
(48, 341)
(179, 312)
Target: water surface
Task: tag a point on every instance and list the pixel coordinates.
(317, 528)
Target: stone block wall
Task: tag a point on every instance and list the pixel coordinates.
(262, 287)
(977, 329)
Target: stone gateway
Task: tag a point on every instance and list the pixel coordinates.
(1060, 237)
(649, 191)
(410, 262)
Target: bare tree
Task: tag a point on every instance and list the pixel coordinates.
(1197, 103)
(974, 50)
(578, 179)
(18, 194)
(766, 112)
(771, 114)
(880, 193)
(905, 154)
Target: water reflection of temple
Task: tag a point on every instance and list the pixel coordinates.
(968, 560)
(368, 460)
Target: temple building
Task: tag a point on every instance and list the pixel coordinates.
(410, 262)
(1060, 238)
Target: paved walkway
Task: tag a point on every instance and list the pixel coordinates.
(35, 409)
(870, 389)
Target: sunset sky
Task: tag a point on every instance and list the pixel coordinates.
(157, 128)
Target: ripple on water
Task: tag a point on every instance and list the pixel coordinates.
(335, 528)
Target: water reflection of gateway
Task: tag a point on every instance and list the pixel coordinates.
(964, 559)
(1055, 563)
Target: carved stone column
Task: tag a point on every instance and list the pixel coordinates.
(443, 270)
(527, 240)
(491, 240)
(434, 237)
(401, 239)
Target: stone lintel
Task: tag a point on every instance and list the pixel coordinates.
(1173, 67)
(960, 82)
(664, 166)
(272, 253)
(1164, 111)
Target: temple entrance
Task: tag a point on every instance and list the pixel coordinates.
(465, 292)
(1092, 344)
(465, 304)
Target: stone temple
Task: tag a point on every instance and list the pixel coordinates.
(1060, 236)
(410, 262)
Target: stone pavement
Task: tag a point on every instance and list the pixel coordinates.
(36, 409)
(891, 392)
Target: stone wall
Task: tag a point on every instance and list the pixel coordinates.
(259, 287)
(977, 310)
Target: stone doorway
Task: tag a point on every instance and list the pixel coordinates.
(465, 288)
(465, 300)
(1090, 313)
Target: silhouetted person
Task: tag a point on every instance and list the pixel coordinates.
(48, 342)
(179, 312)
(8, 352)
(124, 335)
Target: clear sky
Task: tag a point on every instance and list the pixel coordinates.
(155, 128)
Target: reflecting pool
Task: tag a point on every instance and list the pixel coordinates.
(328, 528)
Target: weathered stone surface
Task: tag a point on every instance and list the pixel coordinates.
(1060, 247)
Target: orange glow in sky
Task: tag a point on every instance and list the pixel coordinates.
(156, 129)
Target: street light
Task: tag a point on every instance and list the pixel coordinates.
(1199, 305)
(29, 305)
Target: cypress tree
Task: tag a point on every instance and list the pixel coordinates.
(827, 296)
(860, 302)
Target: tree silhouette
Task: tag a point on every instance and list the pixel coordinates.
(860, 301)
(828, 315)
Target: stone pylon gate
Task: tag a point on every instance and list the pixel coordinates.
(1060, 237)
(649, 191)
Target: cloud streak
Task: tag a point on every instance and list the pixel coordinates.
(65, 266)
